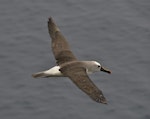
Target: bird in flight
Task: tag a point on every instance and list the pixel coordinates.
(69, 66)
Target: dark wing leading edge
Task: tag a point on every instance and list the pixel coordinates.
(60, 47)
(79, 76)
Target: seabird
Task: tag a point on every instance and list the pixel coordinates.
(69, 66)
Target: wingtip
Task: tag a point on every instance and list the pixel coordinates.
(50, 19)
(102, 101)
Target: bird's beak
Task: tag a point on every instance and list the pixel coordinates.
(105, 70)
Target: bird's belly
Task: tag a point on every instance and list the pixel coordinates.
(54, 71)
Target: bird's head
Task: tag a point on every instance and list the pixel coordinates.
(97, 67)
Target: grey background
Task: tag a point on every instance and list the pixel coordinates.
(114, 32)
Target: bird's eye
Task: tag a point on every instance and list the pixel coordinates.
(99, 66)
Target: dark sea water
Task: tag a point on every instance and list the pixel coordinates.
(114, 32)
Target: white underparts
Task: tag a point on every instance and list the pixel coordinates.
(54, 71)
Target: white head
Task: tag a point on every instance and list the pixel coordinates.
(97, 67)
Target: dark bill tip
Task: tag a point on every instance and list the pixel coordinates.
(105, 70)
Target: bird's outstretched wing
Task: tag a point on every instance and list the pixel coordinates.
(60, 46)
(79, 76)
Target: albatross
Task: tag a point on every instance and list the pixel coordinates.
(67, 65)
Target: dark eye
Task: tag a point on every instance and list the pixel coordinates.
(99, 66)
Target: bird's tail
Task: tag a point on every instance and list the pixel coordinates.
(40, 75)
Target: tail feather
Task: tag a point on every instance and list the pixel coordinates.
(39, 74)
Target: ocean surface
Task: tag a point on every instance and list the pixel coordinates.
(115, 33)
